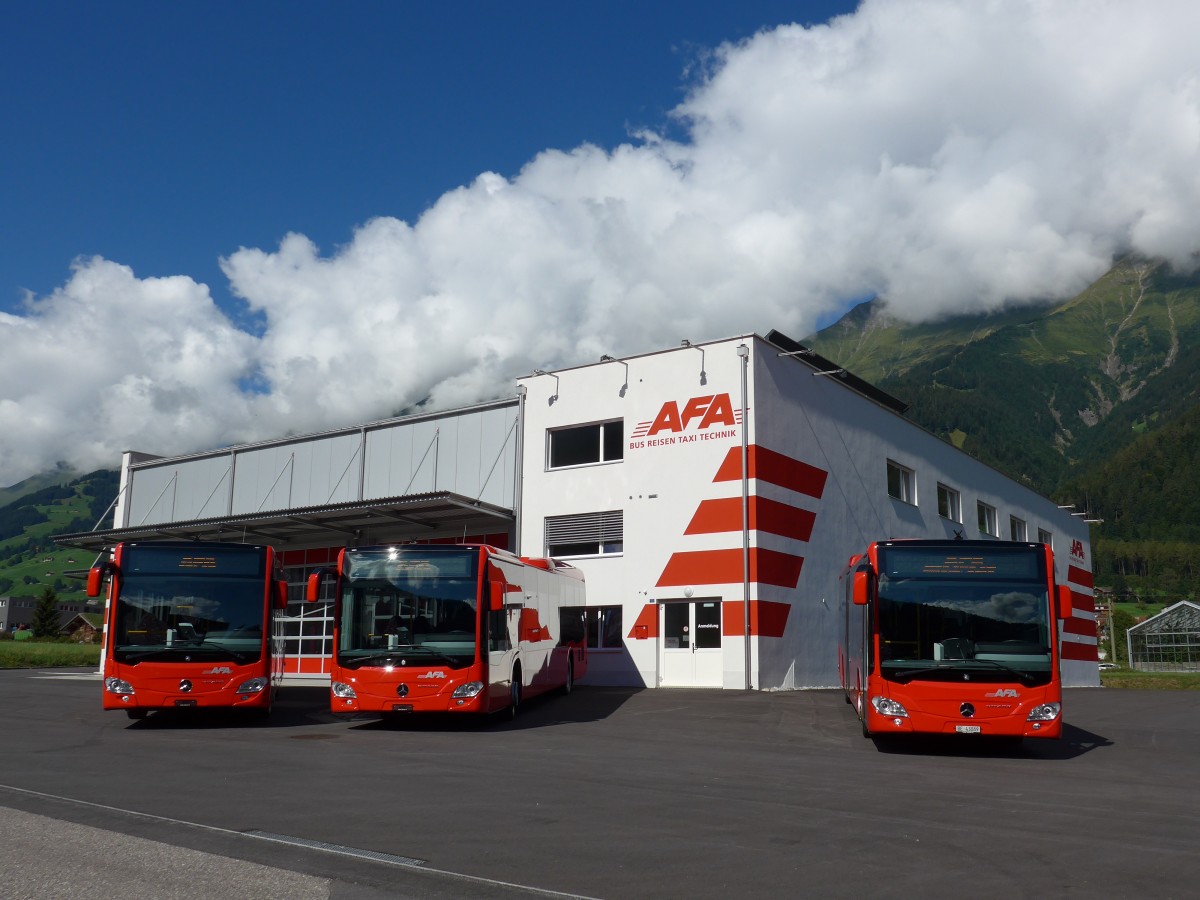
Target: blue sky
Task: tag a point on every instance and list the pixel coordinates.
(224, 222)
(166, 135)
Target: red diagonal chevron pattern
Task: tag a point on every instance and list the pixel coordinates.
(723, 515)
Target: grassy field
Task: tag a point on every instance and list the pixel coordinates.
(39, 655)
(1151, 681)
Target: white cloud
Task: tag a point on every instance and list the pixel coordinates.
(950, 155)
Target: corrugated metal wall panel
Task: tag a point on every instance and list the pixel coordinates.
(189, 489)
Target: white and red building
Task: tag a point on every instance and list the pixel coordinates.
(706, 491)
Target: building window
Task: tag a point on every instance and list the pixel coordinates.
(604, 628)
(949, 503)
(901, 484)
(987, 519)
(586, 534)
(1045, 537)
(1017, 529)
(584, 445)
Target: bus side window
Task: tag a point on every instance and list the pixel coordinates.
(497, 625)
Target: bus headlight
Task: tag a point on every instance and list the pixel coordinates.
(1046, 712)
(117, 686)
(340, 689)
(253, 686)
(886, 706)
(470, 689)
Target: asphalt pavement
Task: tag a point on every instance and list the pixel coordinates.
(607, 793)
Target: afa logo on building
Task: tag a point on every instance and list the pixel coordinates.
(711, 417)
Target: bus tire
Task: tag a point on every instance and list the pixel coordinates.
(514, 693)
(262, 713)
(569, 685)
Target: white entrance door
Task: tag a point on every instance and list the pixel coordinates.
(691, 643)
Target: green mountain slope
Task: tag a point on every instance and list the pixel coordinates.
(1094, 401)
(29, 560)
(1041, 392)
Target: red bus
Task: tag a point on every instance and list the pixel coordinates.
(953, 637)
(191, 624)
(451, 628)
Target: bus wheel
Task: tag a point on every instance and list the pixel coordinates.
(262, 713)
(514, 699)
(569, 684)
(136, 713)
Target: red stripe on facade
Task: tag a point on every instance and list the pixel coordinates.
(775, 468)
(725, 567)
(725, 515)
(1082, 627)
(1081, 577)
(768, 618)
(1085, 652)
(646, 624)
(1083, 602)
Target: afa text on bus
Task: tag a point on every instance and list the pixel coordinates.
(191, 624)
(451, 628)
(953, 637)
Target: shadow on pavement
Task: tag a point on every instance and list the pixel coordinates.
(295, 707)
(584, 704)
(1075, 742)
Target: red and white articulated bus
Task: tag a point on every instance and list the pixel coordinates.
(451, 628)
(191, 624)
(953, 637)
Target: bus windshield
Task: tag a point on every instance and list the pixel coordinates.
(181, 603)
(405, 606)
(973, 615)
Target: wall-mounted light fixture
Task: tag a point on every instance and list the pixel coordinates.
(554, 396)
(625, 386)
(703, 375)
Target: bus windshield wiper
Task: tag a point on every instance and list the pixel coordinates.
(958, 665)
(394, 656)
(1025, 677)
(208, 649)
(909, 674)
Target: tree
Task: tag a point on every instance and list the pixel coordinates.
(45, 616)
(1121, 623)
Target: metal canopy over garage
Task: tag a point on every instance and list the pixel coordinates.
(413, 517)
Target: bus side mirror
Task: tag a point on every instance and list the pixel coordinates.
(496, 595)
(281, 595)
(94, 579)
(862, 587)
(1065, 608)
(313, 591)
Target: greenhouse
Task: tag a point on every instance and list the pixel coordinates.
(1167, 642)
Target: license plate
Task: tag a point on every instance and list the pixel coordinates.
(185, 702)
(968, 729)
(401, 707)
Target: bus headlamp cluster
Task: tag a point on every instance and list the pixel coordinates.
(1046, 712)
(253, 686)
(886, 706)
(343, 690)
(470, 689)
(117, 686)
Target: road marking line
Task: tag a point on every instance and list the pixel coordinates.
(386, 858)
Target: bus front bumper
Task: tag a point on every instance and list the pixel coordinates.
(1034, 719)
